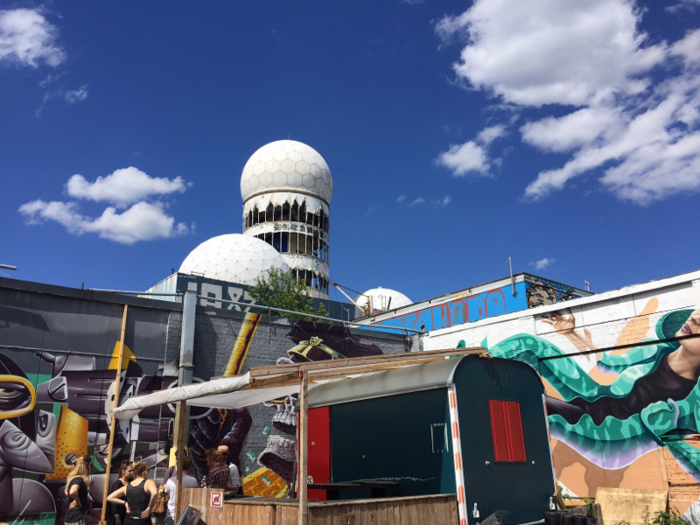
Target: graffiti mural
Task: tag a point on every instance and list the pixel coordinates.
(58, 365)
(653, 399)
(441, 313)
(462, 310)
(273, 466)
(621, 376)
(59, 357)
(541, 292)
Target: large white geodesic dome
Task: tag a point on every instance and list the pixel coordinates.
(287, 165)
(233, 258)
(382, 299)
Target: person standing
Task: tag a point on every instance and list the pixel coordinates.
(217, 477)
(77, 484)
(234, 478)
(171, 471)
(141, 495)
(171, 490)
(126, 474)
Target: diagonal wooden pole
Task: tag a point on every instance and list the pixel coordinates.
(303, 449)
(113, 425)
(180, 435)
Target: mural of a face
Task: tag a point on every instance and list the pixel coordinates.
(691, 327)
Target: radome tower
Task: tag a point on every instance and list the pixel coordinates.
(287, 189)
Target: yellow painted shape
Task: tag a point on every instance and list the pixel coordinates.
(172, 460)
(254, 485)
(127, 356)
(242, 344)
(71, 438)
(26, 384)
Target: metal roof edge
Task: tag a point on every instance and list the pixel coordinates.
(404, 380)
(87, 295)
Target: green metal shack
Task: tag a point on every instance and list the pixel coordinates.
(471, 426)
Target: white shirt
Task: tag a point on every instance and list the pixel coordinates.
(233, 477)
(171, 490)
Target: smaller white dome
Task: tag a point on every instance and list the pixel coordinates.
(382, 299)
(233, 258)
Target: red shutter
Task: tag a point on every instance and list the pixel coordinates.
(499, 430)
(515, 433)
(506, 430)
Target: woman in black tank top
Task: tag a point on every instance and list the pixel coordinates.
(141, 495)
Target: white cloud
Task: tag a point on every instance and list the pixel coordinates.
(123, 187)
(464, 158)
(487, 135)
(442, 203)
(570, 131)
(552, 51)
(400, 198)
(419, 200)
(76, 95)
(690, 5)
(542, 263)
(142, 222)
(640, 130)
(27, 38)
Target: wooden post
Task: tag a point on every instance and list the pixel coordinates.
(180, 441)
(117, 388)
(303, 449)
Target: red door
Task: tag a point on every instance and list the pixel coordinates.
(319, 449)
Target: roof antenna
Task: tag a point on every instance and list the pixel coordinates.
(588, 285)
(512, 279)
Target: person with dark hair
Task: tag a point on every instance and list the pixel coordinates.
(77, 486)
(141, 495)
(171, 490)
(171, 471)
(126, 474)
(218, 470)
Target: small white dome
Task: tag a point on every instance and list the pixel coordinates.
(287, 165)
(382, 299)
(233, 258)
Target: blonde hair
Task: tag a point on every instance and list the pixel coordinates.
(81, 469)
(140, 469)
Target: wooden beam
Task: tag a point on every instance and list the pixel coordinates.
(303, 450)
(262, 371)
(318, 375)
(267, 382)
(181, 422)
(115, 404)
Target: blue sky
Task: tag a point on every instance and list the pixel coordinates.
(561, 133)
